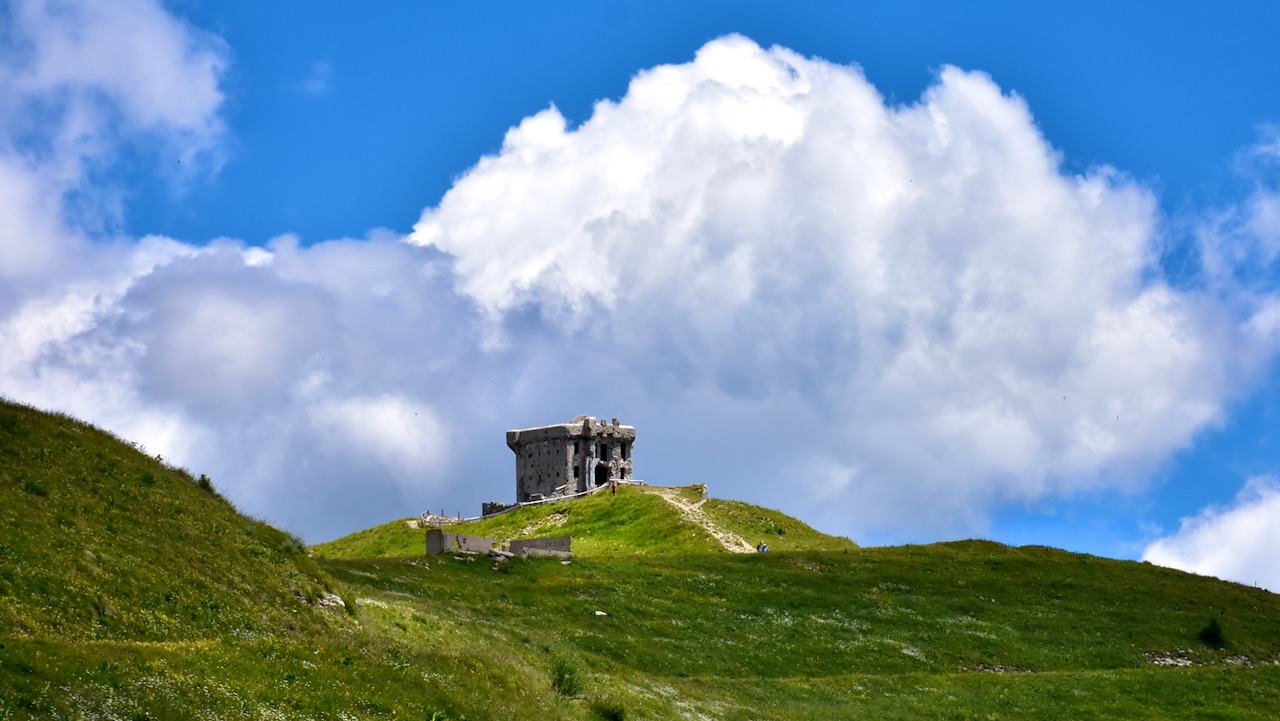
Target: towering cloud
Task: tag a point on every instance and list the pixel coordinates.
(957, 321)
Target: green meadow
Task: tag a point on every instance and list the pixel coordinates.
(132, 590)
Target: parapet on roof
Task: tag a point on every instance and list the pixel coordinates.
(579, 427)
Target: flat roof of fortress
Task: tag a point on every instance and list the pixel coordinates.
(579, 427)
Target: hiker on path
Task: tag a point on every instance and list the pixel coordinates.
(613, 488)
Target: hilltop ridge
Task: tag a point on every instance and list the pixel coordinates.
(638, 520)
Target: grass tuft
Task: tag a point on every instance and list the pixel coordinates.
(35, 488)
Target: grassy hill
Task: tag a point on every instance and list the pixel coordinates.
(101, 541)
(958, 630)
(128, 590)
(390, 540)
(638, 520)
(131, 590)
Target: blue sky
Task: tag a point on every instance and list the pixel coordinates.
(410, 97)
(834, 258)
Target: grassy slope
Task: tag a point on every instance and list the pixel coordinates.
(780, 531)
(887, 632)
(632, 522)
(127, 590)
(636, 521)
(916, 609)
(389, 540)
(122, 597)
(103, 542)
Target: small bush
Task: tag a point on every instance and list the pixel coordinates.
(1211, 634)
(205, 484)
(566, 680)
(35, 488)
(608, 711)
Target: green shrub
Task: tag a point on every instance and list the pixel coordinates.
(566, 679)
(1211, 634)
(608, 711)
(35, 488)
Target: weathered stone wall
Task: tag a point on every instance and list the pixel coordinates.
(531, 546)
(544, 467)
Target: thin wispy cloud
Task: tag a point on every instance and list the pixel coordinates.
(317, 80)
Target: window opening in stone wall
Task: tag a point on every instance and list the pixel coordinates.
(626, 450)
(577, 473)
(604, 451)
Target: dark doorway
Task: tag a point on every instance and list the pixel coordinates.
(602, 474)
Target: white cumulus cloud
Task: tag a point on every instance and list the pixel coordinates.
(1237, 542)
(972, 325)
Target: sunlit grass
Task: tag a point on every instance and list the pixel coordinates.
(635, 521)
(128, 590)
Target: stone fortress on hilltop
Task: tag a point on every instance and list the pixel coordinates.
(570, 458)
(559, 461)
(567, 459)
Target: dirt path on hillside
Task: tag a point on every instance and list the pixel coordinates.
(693, 512)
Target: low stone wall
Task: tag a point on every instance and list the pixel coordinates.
(439, 541)
(558, 546)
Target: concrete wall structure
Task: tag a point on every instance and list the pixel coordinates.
(558, 546)
(569, 458)
(439, 541)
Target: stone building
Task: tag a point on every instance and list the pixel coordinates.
(570, 458)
